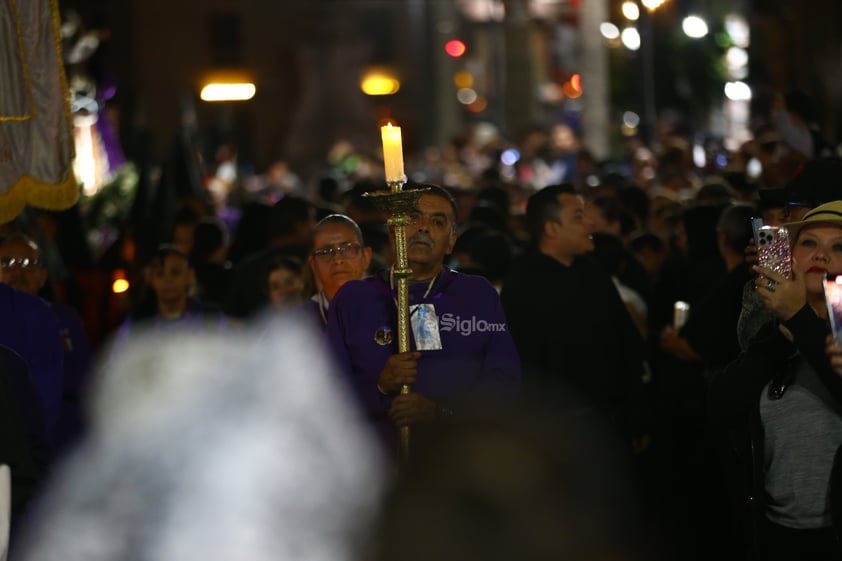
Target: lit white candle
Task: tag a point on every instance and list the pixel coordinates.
(392, 152)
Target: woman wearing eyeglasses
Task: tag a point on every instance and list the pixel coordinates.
(783, 398)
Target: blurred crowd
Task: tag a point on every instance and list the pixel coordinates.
(207, 246)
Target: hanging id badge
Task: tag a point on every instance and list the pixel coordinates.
(425, 327)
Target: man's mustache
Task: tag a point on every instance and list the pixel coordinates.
(421, 237)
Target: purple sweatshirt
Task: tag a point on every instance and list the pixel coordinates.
(29, 327)
(477, 360)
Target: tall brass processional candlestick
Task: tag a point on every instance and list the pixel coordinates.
(399, 204)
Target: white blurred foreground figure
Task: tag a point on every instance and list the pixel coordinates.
(212, 448)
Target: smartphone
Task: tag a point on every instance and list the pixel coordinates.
(833, 298)
(756, 224)
(773, 249)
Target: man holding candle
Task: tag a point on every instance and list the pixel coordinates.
(462, 354)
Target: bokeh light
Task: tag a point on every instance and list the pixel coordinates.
(228, 92)
(571, 91)
(631, 119)
(609, 30)
(455, 48)
(631, 11)
(509, 157)
(694, 27)
(630, 38)
(478, 106)
(737, 91)
(380, 84)
(466, 96)
(463, 79)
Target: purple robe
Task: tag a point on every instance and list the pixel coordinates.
(29, 327)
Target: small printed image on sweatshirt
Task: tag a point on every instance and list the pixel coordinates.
(425, 327)
(383, 335)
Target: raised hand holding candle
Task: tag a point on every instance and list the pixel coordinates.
(392, 153)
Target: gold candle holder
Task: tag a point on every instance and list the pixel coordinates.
(399, 204)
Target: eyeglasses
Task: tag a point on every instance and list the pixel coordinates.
(345, 251)
(19, 262)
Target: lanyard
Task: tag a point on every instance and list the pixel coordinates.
(426, 293)
(323, 303)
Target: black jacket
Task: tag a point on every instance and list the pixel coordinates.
(734, 397)
(573, 332)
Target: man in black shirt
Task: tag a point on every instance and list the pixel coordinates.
(579, 347)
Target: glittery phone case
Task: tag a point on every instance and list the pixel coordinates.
(773, 250)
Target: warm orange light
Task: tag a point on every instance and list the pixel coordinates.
(380, 82)
(570, 91)
(576, 82)
(478, 106)
(455, 48)
(218, 91)
(463, 79)
(119, 286)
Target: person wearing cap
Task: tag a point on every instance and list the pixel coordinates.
(783, 393)
(462, 354)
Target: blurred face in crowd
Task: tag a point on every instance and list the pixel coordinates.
(21, 266)
(431, 235)
(571, 233)
(171, 279)
(183, 235)
(599, 221)
(337, 257)
(285, 286)
(651, 260)
(816, 252)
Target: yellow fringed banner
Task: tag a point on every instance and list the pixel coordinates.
(36, 144)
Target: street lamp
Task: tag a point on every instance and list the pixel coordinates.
(648, 60)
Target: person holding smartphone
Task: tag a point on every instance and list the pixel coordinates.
(783, 394)
(812, 184)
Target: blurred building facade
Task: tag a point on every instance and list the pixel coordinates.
(307, 59)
